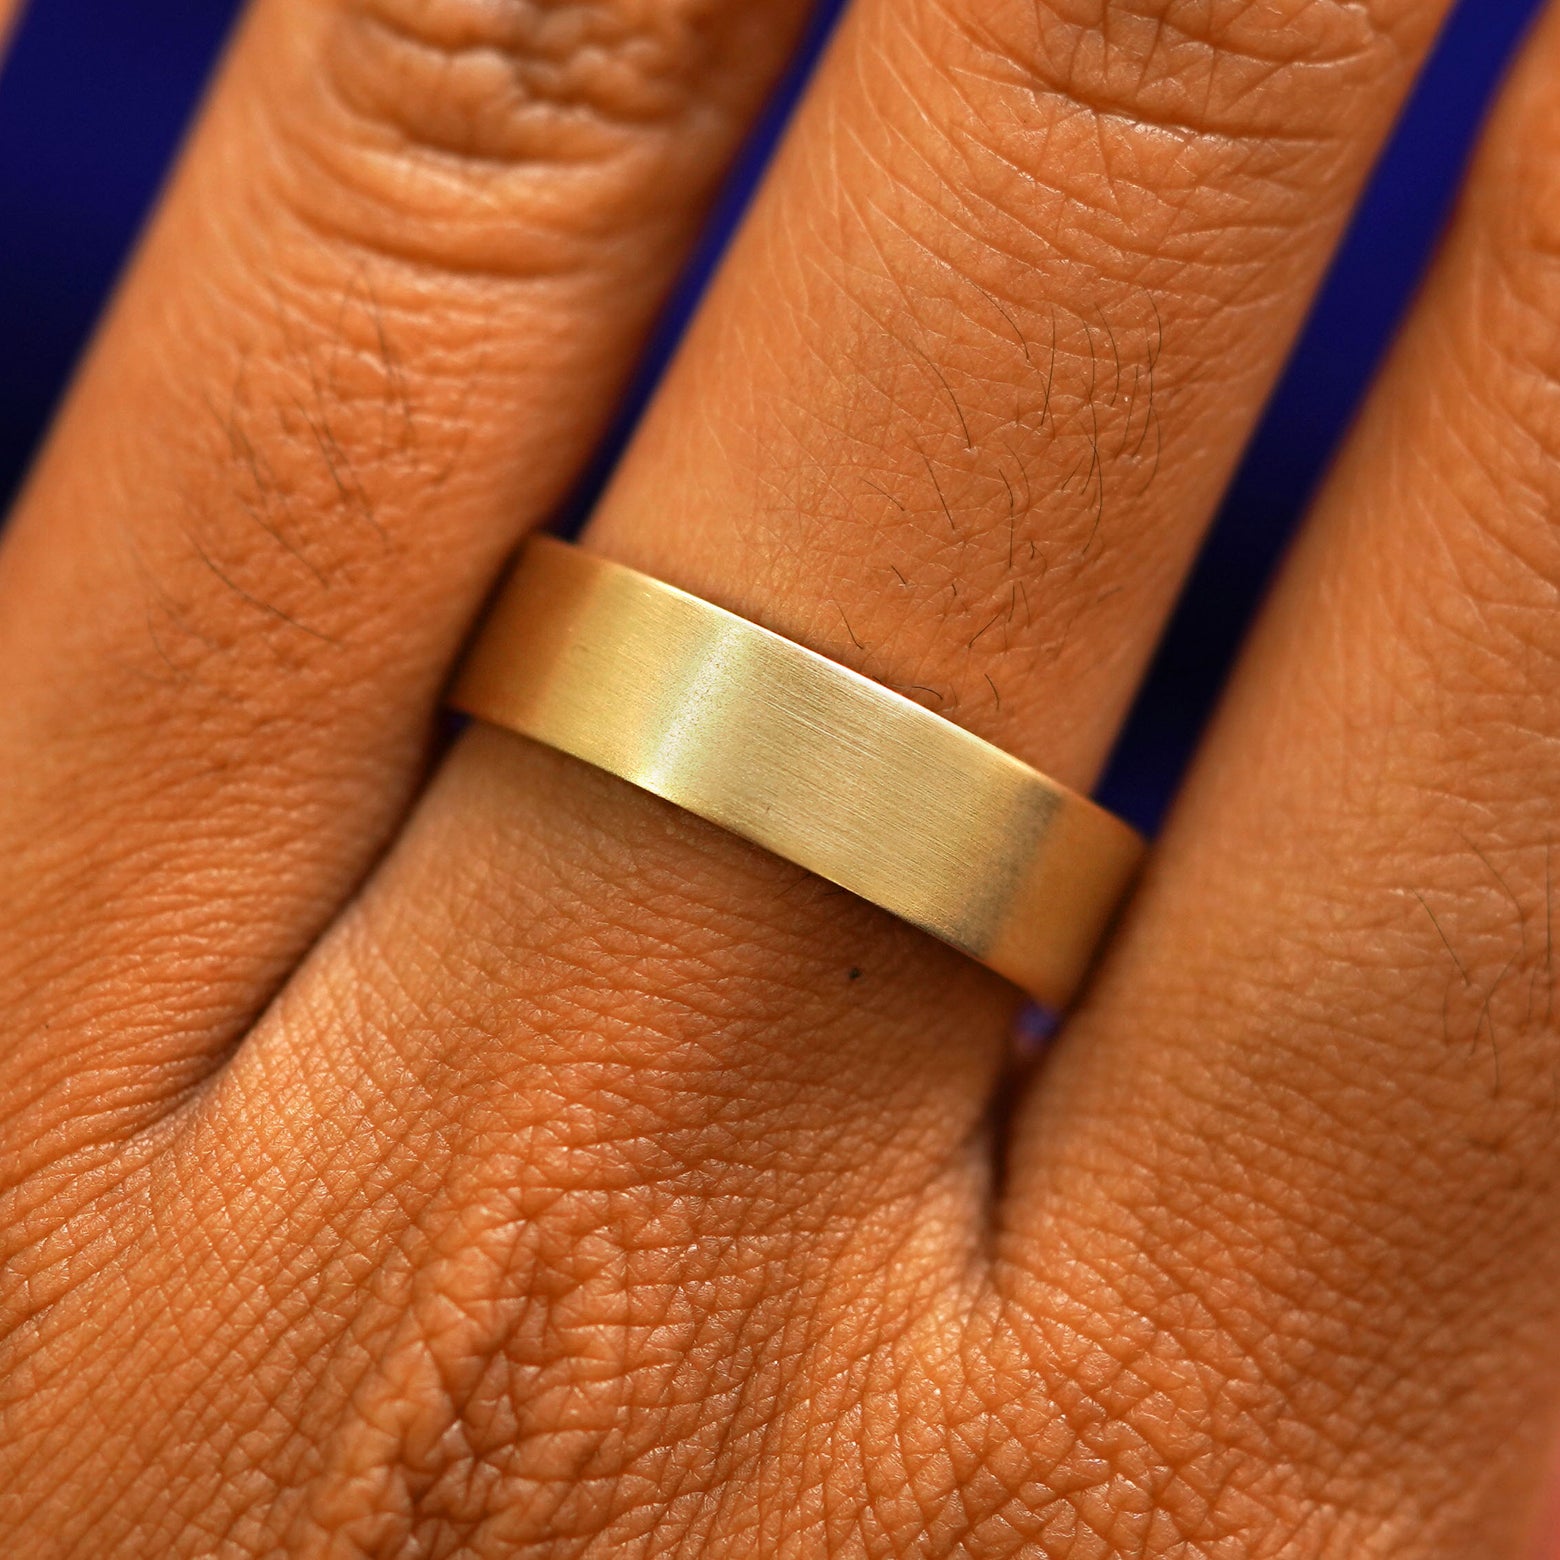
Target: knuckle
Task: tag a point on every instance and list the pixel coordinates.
(608, 63)
(1224, 72)
(1119, 131)
(1152, 116)
(512, 130)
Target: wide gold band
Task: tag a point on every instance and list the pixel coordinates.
(805, 757)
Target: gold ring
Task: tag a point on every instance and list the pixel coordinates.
(806, 758)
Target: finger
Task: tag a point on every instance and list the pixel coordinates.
(684, 1080)
(983, 364)
(377, 326)
(10, 10)
(869, 445)
(1308, 1123)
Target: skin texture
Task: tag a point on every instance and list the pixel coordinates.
(512, 1165)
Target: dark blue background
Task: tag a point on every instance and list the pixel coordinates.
(96, 93)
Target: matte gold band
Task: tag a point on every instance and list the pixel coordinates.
(805, 757)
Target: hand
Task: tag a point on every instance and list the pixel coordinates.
(517, 1166)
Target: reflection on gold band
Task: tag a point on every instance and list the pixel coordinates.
(805, 757)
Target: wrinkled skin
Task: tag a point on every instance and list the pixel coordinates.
(479, 1158)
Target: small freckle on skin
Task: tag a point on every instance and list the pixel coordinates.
(854, 974)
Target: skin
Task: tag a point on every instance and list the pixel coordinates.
(415, 1153)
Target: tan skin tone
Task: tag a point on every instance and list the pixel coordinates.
(511, 1165)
